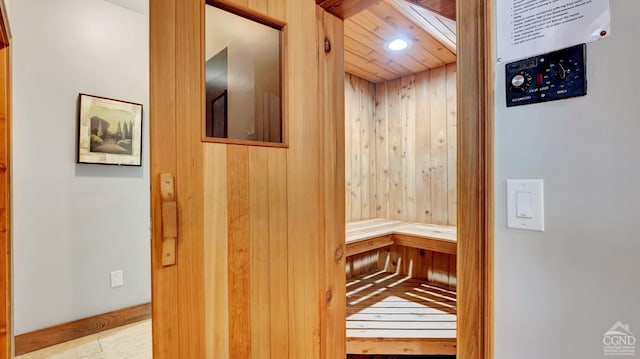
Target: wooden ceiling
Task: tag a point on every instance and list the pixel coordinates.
(432, 36)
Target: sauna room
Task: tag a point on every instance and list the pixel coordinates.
(400, 168)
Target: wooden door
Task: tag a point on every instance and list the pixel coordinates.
(259, 267)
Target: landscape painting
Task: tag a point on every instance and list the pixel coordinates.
(110, 131)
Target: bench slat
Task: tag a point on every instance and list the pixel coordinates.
(363, 236)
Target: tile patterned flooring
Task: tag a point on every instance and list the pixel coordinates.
(128, 342)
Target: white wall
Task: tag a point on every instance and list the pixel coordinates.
(558, 292)
(73, 224)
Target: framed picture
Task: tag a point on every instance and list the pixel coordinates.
(109, 131)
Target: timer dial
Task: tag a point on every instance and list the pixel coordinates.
(520, 82)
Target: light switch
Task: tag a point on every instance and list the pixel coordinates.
(525, 204)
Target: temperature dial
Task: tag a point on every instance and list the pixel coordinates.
(520, 82)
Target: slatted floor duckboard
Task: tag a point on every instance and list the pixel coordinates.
(388, 313)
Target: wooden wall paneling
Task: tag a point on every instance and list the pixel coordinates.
(423, 147)
(453, 271)
(364, 263)
(439, 171)
(304, 172)
(216, 252)
(258, 5)
(348, 104)
(440, 268)
(332, 158)
(277, 9)
(361, 148)
(278, 252)
(405, 261)
(189, 112)
(382, 152)
(452, 158)
(356, 103)
(427, 264)
(396, 184)
(413, 153)
(162, 101)
(371, 125)
(408, 117)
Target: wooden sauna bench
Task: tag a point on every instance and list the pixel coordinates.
(401, 296)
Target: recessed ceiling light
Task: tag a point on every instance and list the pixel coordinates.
(397, 44)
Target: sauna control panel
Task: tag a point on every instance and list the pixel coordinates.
(553, 76)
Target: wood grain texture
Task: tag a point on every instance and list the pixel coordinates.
(332, 159)
(43, 338)
(216, 232)
(189, 113)
(162, 137)
(367, 32)
(446, 8)
(304, 173)
(475, 179)
(438, 26)
(239, 246)
(5, 36)
(344, 9)
(360, 148)
(274, 227)
(384, 307)
(278, 253)
(408, 166)
(6, 328)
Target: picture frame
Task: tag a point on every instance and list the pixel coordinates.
(109, 131)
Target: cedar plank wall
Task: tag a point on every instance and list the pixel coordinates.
(401, 147)
(261, 228)
(416, 263)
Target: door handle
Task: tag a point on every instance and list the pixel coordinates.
(169, 219)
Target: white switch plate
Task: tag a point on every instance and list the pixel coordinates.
(117, 279)
(525, 204)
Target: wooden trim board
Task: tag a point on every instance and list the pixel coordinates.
(47, 337)
(475, 82)
(6, 327)
(404, 346)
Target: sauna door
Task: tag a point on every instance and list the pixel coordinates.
(247, 241)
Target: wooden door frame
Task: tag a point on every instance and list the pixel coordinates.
(475, 85)
(6, 331)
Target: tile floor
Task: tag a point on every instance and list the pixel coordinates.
(128, 342)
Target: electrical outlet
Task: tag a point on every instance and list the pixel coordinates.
(116, 279)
